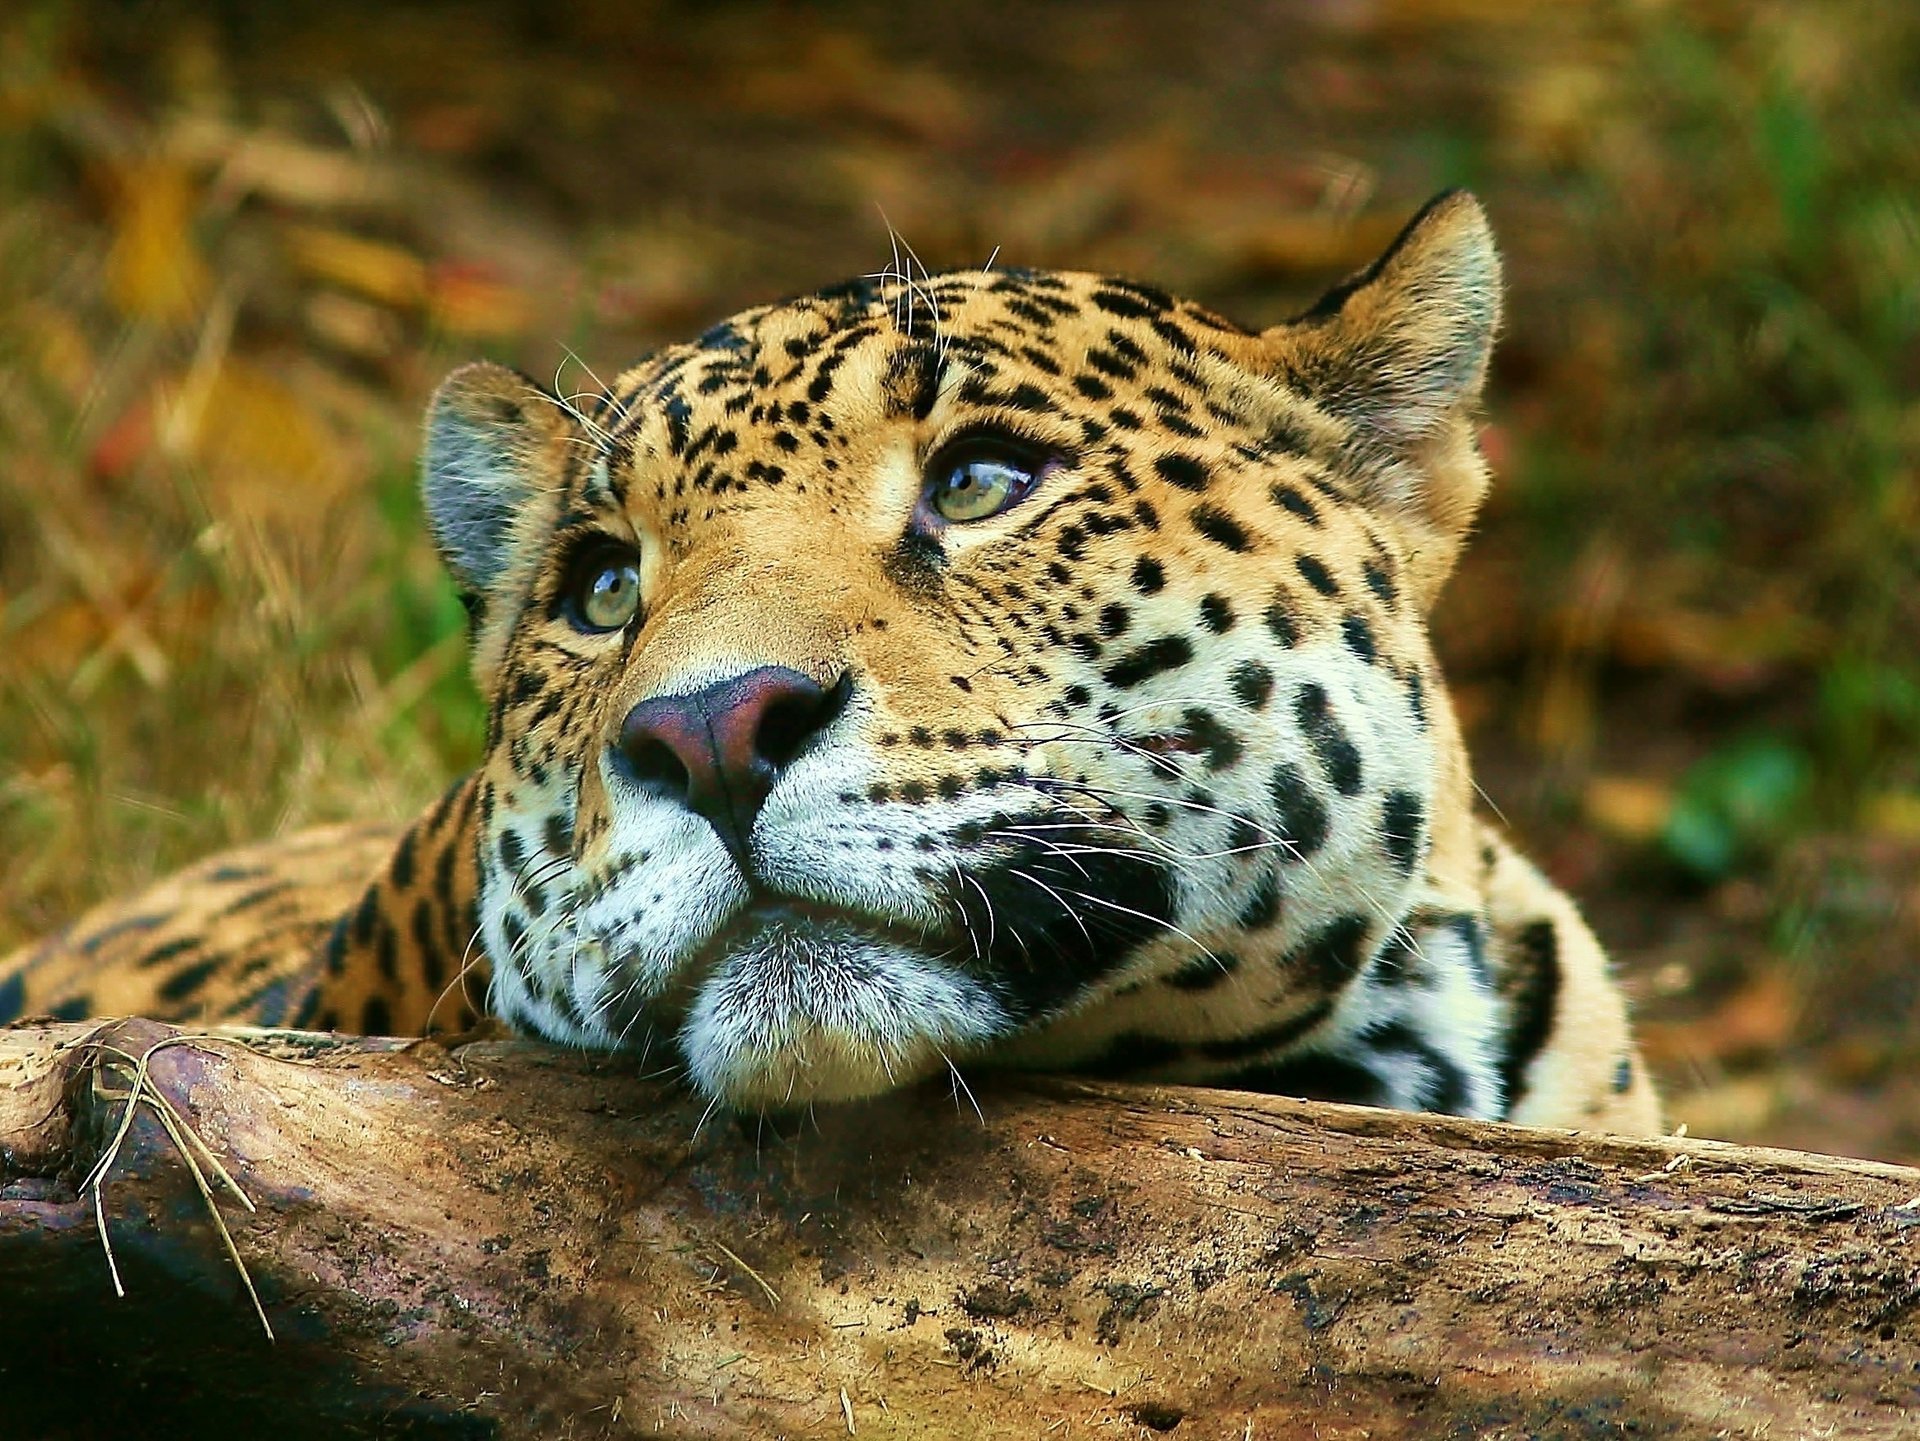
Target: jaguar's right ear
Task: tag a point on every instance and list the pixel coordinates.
(496, 443)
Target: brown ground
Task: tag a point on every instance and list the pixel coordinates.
(236, 251)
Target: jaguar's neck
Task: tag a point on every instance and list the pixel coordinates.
(406, 960)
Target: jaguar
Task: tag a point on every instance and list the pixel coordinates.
(991, 668)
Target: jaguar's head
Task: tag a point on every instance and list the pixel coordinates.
(917, 668)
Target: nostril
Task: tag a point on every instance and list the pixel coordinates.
(653, 764)
(783, 730)
(659, 745)
(796, 717)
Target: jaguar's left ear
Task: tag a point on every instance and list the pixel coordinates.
(492, 473)
(495, 444)
(1400, 351)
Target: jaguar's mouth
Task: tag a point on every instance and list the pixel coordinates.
(793, 1002)
(771, 910)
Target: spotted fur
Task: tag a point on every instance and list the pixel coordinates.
(1152, 774)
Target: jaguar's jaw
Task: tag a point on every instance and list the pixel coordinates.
(799, 1008)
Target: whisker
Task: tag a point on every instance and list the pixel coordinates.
(961, 1088)
(1033, 880)
(713, 1104)
(1142, 915)
(985, 900)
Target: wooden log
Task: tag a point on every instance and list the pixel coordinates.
(509, 1239)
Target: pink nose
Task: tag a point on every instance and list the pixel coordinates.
(719, 751)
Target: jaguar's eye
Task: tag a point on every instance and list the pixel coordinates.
(978, 483)
(603, 593)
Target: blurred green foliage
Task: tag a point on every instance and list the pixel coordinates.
(1738, 803)
(1759, 181)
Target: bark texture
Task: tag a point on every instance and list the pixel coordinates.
(511, 1240)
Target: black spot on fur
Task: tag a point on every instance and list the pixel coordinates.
(1401, 819)
(376, 1017)
(1263, 908)
(913, 380)
(1215, 613)
(1443, 1085)
(1534, 995)
(186, 982)
(1203, 730)
(1252, 684)
(1379, 582)
(1312, 1078)
(1359, 637)
(1268, 1038)
(1204, 972)
(513, 855)
(401, 870)
(1148, 576)
(1316, 575)
(1220, 528)
(1169, 652)
(1279, 618)
(432, 964)
(1130, 1053)
(1473, 937)
(1182, 471)
(1332, 747)
(1047, 942)
(1398, 963)
(1299, 814)
(364, 917)
(1332, 956)
(1118, 302)
(1291, 500)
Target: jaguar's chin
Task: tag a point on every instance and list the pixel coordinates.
(801, 1006)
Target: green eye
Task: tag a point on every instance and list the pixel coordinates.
(980, 485)
(604, 592)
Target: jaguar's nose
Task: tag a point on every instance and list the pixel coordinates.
(719, 751)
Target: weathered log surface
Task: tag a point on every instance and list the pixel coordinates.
(517, 1241)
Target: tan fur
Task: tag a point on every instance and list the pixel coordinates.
(1323, 473)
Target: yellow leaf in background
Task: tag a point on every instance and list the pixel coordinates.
(1895, 814)
(354, 326)
(58, 345)
(154, 269)
(373, 268)
(263, 451)
(468, 300)
(844, 73)
(1630, 808)
(283, 168)
(1314, 242)
(1751, 1022)
(1738, 1107)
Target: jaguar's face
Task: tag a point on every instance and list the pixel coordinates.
(869, 691)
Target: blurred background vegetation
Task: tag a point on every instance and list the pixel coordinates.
(239, 243)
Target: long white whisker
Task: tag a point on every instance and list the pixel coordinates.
(961, 1088)
(987, 901)
(1036, 881)
(1142, 915)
